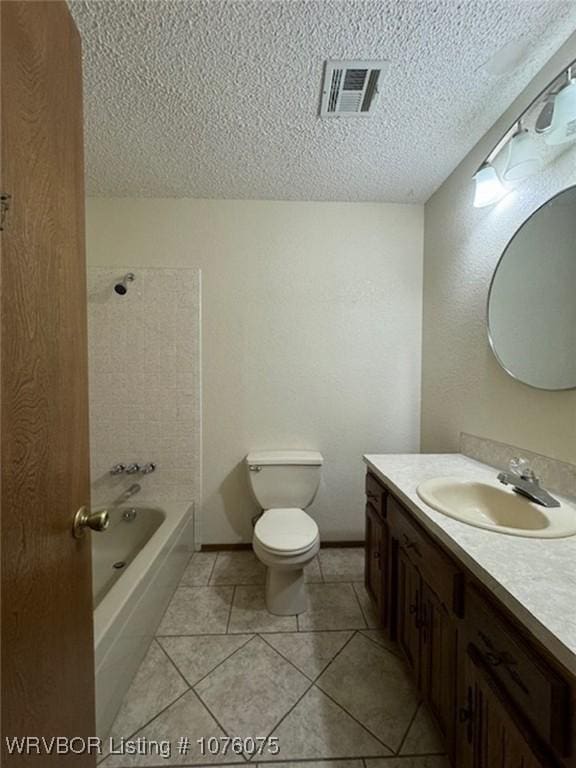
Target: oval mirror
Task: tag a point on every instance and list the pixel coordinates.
(532, 298)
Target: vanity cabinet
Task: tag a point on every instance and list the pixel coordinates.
(499, 699)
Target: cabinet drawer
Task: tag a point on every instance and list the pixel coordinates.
(376, 495)
(541, 695)
(438, 570)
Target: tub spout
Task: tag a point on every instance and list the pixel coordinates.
(127, 494)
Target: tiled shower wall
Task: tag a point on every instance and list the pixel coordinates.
(145, 396)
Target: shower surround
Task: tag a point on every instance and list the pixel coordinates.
(145, 391)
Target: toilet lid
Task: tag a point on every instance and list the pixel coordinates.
(287, 530)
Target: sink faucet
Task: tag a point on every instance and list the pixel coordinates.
(523, 480)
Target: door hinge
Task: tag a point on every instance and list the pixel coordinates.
(4, 208)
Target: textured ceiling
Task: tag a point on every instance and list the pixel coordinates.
(219, 99)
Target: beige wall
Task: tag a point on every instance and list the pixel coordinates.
(464, 389)
(311, 334)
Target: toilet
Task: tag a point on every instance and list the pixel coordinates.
(286, 538)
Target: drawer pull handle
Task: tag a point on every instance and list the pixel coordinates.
(411, 545)
(496, 659)
(414, 610)
(464, 714)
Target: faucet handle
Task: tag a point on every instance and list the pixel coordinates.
(518, 466)
(118, 469)
(522, 468)
(146, 469)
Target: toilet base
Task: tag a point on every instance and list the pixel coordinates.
(285, 589)
(285, 594)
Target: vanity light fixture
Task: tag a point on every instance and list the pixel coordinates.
(523, 155)
(489, 188)
(563, 125)
(555, 124)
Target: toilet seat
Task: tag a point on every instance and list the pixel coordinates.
(286, 531)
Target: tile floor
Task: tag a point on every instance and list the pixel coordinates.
(327, 684)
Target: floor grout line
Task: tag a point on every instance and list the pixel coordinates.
(320, 569)
(173, 663)
(230, 613)
(360, 605)
(285, 715)
(213, 568)
(287, 659)
(275, 631)
(358, 722)
(151, 720)
(207, 708)
(394, 651)
(234, 652)
(410, 724)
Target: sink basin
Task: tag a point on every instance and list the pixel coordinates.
(497, 508)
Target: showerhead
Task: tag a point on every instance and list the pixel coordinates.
(121, 288)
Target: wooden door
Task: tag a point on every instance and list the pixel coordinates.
(408, 610)
(491, 734)
(47, 645)
(438, 662)
(376, 542)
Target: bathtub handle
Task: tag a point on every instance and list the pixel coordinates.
(96, 521)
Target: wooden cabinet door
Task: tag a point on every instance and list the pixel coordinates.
(376, 570)
(438, 638)
(47, 644)
(408, 609)
(372, 566)
(491, 735)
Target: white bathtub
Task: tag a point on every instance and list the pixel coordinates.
(130, 600)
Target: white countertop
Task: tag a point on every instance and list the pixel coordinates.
(534, 578)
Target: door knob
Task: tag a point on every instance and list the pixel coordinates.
(96, 521)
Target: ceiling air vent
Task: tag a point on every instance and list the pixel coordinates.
(351, 88)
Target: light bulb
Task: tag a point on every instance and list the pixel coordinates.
(489, 188)
(523, 158)
(563, 125)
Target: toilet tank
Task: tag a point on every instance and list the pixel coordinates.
(284, 478)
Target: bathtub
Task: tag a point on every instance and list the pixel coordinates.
(136, 566)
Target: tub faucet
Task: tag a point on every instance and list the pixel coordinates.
(132, 469)
(125, 495)
(523, 481)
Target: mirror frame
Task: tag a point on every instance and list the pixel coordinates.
(488, 330)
